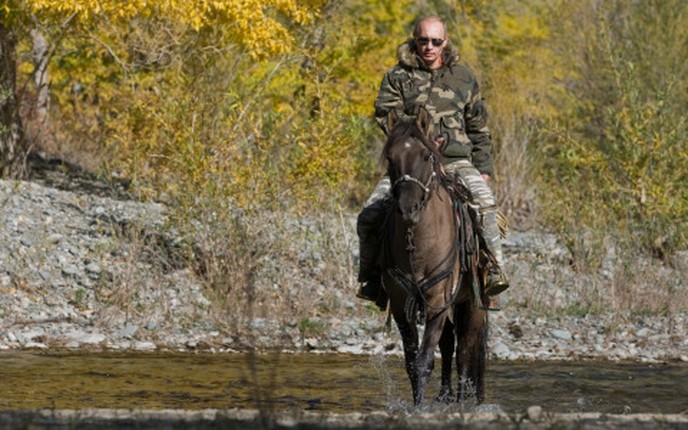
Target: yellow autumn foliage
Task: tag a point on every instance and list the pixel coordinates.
(253, 24)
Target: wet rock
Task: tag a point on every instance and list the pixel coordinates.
(144, 346)
(350, 349)
(500, 350)
(534, 413)
(35, 345)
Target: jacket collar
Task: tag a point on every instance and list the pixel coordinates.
(407, 56)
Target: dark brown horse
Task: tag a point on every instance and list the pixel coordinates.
(425, 243)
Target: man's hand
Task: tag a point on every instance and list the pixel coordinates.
(438, 142)
(486, 177)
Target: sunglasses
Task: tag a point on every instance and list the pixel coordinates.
(422, 41)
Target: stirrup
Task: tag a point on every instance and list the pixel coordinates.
(496, 283)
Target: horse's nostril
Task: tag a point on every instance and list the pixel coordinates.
(409, 221)
(412, 216)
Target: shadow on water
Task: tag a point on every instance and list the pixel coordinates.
(320, 382)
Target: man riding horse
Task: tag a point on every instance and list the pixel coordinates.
(429, 76)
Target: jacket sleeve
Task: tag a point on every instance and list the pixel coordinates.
(388, 98)
(475, 115)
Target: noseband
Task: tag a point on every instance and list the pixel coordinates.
(423, 186)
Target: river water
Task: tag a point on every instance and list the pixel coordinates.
(320, 382)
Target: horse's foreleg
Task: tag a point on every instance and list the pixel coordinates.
(447, 343)
(409, 338)
(471, 354)
(426, 355)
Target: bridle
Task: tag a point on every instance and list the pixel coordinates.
(423, 186)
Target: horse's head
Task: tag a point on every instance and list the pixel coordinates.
(412, 164)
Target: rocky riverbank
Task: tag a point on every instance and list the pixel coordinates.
(534, 419)
(87, 270)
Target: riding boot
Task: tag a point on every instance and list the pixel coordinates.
(369, 274)
(496, 278)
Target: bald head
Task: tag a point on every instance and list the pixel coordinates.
(429, 21)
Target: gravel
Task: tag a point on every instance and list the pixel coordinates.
(70, 278)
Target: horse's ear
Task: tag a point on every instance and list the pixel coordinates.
(392, 119)
(423, 120)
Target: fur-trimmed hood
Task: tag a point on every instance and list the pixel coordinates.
(407, 56)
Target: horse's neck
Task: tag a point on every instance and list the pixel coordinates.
(434, 233)
(437, 216)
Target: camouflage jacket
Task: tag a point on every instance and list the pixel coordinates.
(452, 97)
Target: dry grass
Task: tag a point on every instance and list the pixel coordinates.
(616, 280)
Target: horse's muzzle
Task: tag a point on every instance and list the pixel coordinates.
(410, 214)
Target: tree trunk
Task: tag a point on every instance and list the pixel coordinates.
(12, 150)
(40, 55)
